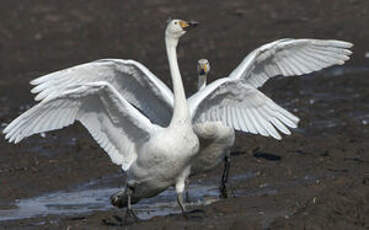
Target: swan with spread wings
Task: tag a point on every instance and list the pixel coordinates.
(155, 156)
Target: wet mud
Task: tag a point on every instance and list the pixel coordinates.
(317, 178)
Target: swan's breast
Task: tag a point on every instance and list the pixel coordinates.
(166, 154)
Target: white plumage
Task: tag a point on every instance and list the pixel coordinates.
(130, 78)
(113, 122)
(289, 57)
(236, 101)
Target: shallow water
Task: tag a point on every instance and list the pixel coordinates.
(89, 197)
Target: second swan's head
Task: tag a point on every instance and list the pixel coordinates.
(203, 67)
(177, 27)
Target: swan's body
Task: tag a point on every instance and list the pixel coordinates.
(216, 141)
(107, 95)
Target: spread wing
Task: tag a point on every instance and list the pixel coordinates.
(113, 122)
(237, 103)
(131, 79)
(290, 57)
(241, 106)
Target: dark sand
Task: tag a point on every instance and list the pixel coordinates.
(318, 176)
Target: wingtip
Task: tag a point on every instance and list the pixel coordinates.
(9, 136)
(294, 126)
(276, 137)
(344, 44)
(35, 90)
(38, 97)
(350, 45)
(18, 139)
(11, 139)
(5, 131)
(35, 81)
(297, 121)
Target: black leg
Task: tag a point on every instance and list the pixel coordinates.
(129, 212)
(187, 188)
(223, 184)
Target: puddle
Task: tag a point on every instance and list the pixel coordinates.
(59, 203)
(89, 197)
(95, 196)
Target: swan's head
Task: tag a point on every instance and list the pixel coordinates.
(203, 67)
(177, 27)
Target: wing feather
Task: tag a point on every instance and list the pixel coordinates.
(259, 122)
(268, 124)
(280, 117)
(242, 124)
(299, 68)
(242, 107)
(228, 118)
(289, 57)
(113, 122)
(246, 119)
(134, 81)
(289, 67)
(303, 66)
(275, 121)
(233, 118)
(262, 122)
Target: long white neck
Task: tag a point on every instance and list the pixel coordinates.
(181, 113)
(202, 82)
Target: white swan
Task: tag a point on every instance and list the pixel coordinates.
(156, 157)
(216, 139)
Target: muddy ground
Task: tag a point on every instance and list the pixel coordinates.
(317, 178)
